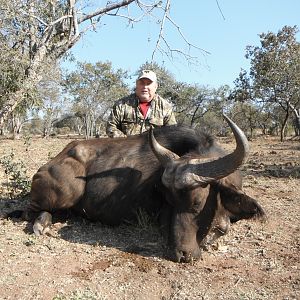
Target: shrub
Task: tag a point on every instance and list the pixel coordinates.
(17, 181)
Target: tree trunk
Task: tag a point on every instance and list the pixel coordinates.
(31, 79)
(194, 116)
(283, 126)
(297, 123)
(16, 127)
(251, 132)
(10, 105)
(296, 112)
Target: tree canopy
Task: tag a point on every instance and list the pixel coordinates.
(273, 80)
(94, 88)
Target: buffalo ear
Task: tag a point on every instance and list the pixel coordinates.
(239, 205)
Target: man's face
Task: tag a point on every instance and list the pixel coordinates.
(145, 89)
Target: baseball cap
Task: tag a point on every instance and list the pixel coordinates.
(148, 74)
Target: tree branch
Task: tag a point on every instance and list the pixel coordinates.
(105, 10)
(166, 16)
(160, 36)
(184, 38)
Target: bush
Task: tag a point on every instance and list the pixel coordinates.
(17, 181)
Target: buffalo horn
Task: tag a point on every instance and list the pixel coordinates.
(199, 171)
(164, 155)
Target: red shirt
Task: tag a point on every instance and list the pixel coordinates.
(144, 106)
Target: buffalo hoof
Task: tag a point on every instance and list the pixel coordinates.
(42, 223)
(185, 257)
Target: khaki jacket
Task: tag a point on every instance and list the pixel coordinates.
(126, 118)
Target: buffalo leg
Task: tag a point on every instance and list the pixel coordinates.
(56, 187)
(42, 223)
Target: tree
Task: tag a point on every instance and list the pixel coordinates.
(195, 102)
(247, 116)
(38, 33)
(50, 93)
(274, 72)
(95, 87)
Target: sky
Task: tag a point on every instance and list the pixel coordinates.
(223, 28)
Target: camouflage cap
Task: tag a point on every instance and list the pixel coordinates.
(148, 74)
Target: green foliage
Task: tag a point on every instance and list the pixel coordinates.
(246, 115)
(32, 35)
(94, 88)
(17, 181)
(275, 66)
(273, 81)
(18, 42)
(196, 102)
(97, 82)
(52, 103)
(243, 90)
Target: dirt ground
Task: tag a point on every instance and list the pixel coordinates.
(82, 260)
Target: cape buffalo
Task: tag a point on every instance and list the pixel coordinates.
(183, 176)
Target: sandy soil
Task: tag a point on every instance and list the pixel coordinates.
(82, 260)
